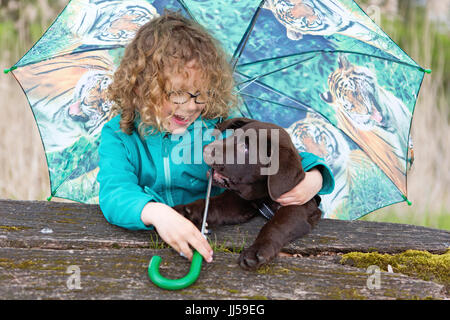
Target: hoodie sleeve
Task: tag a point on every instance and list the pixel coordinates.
(310, 161)
(121, 198)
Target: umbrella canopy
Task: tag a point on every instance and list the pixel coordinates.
(321, 69)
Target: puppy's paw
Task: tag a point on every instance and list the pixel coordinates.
(257, 255)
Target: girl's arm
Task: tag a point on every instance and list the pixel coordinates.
(318, 180)
(126, 204)
(121, 198)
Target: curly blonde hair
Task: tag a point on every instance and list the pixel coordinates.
(166, 44)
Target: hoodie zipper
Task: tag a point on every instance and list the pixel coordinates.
(166, 163)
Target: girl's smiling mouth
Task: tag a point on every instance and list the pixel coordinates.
(181, 120)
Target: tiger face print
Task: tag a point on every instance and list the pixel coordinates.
(100, 25)
(318, 17)
(372, 116)
(91, 106)
(353, 89)
(315, 135)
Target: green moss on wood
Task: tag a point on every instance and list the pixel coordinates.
(269, 269)
(29, 265)
(14, 228)
(420, 264)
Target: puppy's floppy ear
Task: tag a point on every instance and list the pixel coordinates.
(289, 174)
(234, 123)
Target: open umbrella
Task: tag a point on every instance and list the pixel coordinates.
(321, 69)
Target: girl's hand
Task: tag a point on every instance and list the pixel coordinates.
(176, 230)
(304, 191)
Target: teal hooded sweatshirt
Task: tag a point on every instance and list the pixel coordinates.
(161, 167)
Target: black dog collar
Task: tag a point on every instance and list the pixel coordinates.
(266, 207)
(266, 211)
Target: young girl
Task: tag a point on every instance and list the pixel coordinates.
(173, 78)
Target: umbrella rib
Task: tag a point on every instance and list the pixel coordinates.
(54, 21)
(185, 7)
(67, 178)
(387, 35)
(269, 88)
(335, 51)
(68, 54)
(409, 132)
(278, 103)
(53, 193)
(240, 47)
(250, 81)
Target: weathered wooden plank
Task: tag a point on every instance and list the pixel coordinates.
(77, 226)
(346, 236)
(122, 274)
(72, 225)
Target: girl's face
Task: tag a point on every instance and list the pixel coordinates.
(178, 115)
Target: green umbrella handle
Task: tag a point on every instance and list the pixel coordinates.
(175, 284)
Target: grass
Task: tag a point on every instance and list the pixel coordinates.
(433, 219)
(23, 168)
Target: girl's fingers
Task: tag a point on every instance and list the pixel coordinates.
(185, 251)
(286, 201)
(292, 201)
(202, 246)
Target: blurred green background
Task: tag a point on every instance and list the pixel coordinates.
(420, 27)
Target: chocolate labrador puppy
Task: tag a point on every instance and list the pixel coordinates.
(253, 185)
